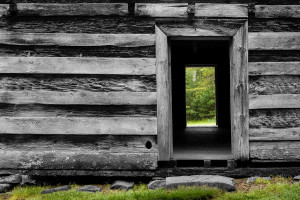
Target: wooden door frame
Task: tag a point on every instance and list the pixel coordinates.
(236, 31)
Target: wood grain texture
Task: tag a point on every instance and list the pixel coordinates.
(69, 65)
(90, 9)
(29, 110)
(285, 150)
(274, 68)
(267, 85)
(76, 83)
(277, 11)
(274, 101)
(4, 9)
(274, 118)
(274, 25)
(161, 9)
(78, 98)
(78, 125)
(221, 10)
(268, 134)
(274, 41)
(76, 39)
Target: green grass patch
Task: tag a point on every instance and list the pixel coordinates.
(205, 122)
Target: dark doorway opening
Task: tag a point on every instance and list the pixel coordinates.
(201, 142)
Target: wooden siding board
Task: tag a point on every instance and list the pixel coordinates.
(274, 68)
(271, 134)
(277, 11)
(273, 55)
(221, 10)
(274, 101)
(4, 9)
(78, 125)
(83, 9)
(69, 65)
(161, 9)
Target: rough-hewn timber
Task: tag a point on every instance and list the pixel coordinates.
(161, 10)
(277, 11)
(274, 101)
(4, 8)
(268, 134)
(221, 10)
(274, 68)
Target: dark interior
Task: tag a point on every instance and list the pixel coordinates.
(200, 143)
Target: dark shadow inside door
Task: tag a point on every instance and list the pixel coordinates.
(201, 143)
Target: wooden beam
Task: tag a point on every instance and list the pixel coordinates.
(274, 41)
(161, 9)
(85, 9)
(221, 10)
(274, 101)
(281, 150)
(72, 65)
(78, 125)
(277, 11)
(274, 68)
(273, 134)
(76, 39)
(4, 9)
(78, 98)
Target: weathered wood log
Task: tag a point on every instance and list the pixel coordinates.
(274, 25)
(281, 118)
(274, 56)
(76, 39)
(78, 125)
(78, 98)
(69, 65)
(274, 68)
(274, 101)
(161, 9)
(281, 150)
(268, 134)
(277, 11)
(274, 41)
(78, 83)
(88, 160)
(90, 9)
(267, 85)
(221, 10)
(4, 9)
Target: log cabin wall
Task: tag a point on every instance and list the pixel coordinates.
(78, 84)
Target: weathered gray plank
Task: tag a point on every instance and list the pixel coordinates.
(274, 101)
(90, 9)
(161, 9)
(69, 65)
(273, 118)
(268, 85)
(274, 68)
(78, 125)
(274, 41)
(76, 39)
(4, 9)
(285, 150)
(277, 11)
(271, 134)
(78, 98)
(221, 10)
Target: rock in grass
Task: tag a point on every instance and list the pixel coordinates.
(252, 179)
(221, 182)
(11, 179)
(89, 188)
(4, 187)
(153, 185)
(57, 189)
(123, 185)
(297, 178)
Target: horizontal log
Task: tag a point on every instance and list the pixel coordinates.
(4, 9)
(271, 134)
(90, 9)
(161, 9)
(69, 65)
(274, 101)
(281, 118)
(78, 98)
(273, 25)
(29, 110)
(78, 125)
(274, 41)
(267, 85)
(87, 160)
(284, 150)
(277, 11)
(221, 10)
(273, 56)
(78, 83)
(274, 68)
(76, 39)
